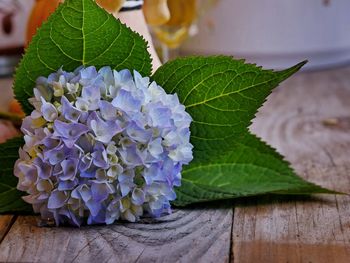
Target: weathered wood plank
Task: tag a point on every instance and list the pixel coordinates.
(6, 222)
(307, 120)
(198, 235)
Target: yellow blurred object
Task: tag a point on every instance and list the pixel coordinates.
(176, 30)
(111, 5)
(156, 12)
(172, 37)
(44, 8)
(183, 12)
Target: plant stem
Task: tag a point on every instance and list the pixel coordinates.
(15, 119)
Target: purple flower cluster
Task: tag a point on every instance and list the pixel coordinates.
(102, 145)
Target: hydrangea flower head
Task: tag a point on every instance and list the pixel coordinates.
(102, 145)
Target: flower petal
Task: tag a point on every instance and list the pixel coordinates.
(57, 199)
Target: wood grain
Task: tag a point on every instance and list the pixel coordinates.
(197, 235)
(308, 121)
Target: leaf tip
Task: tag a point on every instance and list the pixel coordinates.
(301, 64)
(284, 74)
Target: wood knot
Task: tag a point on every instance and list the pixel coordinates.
(338, 123)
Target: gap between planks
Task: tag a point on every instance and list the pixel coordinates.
(6, 222)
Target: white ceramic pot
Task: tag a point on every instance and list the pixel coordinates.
(277, 33)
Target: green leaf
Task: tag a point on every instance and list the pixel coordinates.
(223, 95)
(250, 168)
(79, 33)
(10, 197)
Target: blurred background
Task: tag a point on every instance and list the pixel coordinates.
(276, 33)
(272, 33)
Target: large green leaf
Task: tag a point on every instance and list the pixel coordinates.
(222, 95)
(250, 168)
(10, 197)
(79, 33)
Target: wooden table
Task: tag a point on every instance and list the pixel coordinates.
(308, 120)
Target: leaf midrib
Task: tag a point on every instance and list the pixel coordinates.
(215, 165)
(231, 93)
(82, 32)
